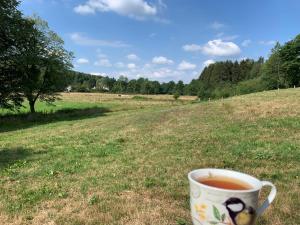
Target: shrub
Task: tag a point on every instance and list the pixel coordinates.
(176, 95)
(250, 86)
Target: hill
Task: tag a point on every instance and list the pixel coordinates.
(109, 159)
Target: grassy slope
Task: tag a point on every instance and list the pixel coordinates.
(128, 164)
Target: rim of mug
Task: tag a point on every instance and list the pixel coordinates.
(254, 189)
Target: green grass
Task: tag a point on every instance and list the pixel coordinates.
(117, 161)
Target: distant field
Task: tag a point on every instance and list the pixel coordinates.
(108, 159)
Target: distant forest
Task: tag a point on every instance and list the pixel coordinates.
(220, 79)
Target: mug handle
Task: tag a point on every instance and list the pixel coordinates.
(270, 198)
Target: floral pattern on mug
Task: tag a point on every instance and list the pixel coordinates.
(201, 210)
(219, 218)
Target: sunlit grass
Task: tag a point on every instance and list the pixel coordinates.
(127, 164)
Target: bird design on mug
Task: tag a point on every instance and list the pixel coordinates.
(239, 213)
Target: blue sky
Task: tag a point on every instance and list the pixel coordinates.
(166, 39)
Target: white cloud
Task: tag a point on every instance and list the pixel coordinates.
(80, 39)
(246, 43)
(131, 66)
(192, 48)
(82, 61)
(120, 65)
(133, 57)
(138, 9)
(84, 9)
(161, 60)
(216, 25)
(99, 74)
(103, 62)
(161, 74)
(271, 42)
(208, 62)
(184, 65)
(220, 48)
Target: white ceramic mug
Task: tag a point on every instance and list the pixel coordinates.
(216, 206)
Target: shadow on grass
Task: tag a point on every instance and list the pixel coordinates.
(11, 122)
(11, 156)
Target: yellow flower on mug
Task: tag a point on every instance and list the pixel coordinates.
(200, 209)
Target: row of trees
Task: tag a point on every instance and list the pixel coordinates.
(33, 61)
(81, 82)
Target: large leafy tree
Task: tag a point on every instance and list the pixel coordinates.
(33, 61)
(43, 63)
(11, 26)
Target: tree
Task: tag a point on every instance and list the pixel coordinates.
(132, 86)
(156, 87)
(11, 25)
(179, 87)
(176, 95)
(192, 88)
(43, 63)
(290, 62)
(120, 85)
(272, 74)
(146, 87)
(171, 87)
(257, 68)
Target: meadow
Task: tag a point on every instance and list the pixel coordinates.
(101, 159)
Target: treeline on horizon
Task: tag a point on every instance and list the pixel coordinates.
(218, 80)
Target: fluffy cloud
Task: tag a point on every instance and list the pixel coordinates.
(163, 73)
(103, 62)
(208, 62)
(220, 48)
(133, 57)
(82, 61)
(216, 25)
(138, 9)
(84, 9)
(131, 66)
(184, 65)
(161, 60)
(192, 48)
(80, 39)
(99, 74)
(246, 43)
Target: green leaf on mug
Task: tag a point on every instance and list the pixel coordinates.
(213, 222)
(216, 213)
(223, 217)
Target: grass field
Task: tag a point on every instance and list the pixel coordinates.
(106, 159)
